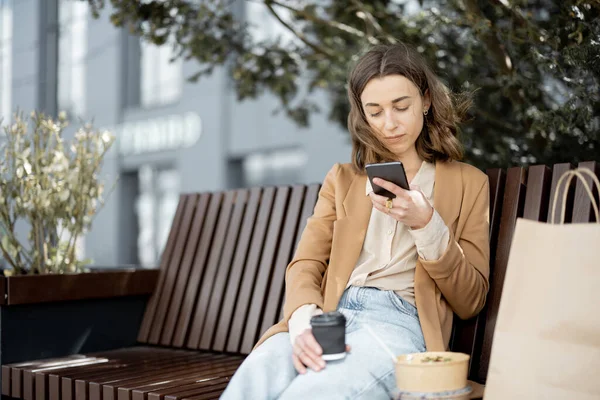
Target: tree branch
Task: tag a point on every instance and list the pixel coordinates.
(299, 35)
(496, 48)
(15, 242)
(333, 24)
(8, 259)
(371, 20)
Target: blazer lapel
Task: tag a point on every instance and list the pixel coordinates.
(447, 200)
(447, 191)
(349, 235)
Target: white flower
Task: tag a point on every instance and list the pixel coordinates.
(107, 137)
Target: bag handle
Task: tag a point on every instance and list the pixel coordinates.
(567, 177)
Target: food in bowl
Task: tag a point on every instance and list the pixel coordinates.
(436, 359)
(432, 371)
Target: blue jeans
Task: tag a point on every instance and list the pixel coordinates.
(367, 372)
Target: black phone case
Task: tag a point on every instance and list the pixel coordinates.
(391, 172)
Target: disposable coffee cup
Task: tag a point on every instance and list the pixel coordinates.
(329, 329)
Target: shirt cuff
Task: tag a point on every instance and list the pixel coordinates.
(300, 320)
(431, 240)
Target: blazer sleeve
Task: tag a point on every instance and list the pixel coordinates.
(305, 272)
(462, 272)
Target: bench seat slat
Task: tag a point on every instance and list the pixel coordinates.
(191, 377)
(205, 369)
(199, 393)
(93, 384)
(120, 366)
(6, 381)
(36, 381)
(203, 383)
(17, 371)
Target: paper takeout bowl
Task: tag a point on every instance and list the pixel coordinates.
(414, 373)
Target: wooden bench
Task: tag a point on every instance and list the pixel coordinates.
(221, 285)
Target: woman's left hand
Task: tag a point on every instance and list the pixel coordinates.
(410, 207)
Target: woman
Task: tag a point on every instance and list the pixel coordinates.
(401, 267)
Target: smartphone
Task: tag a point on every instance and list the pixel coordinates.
(389, 171)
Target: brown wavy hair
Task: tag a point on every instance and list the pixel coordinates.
(438, 140)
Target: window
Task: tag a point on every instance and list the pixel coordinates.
(72, 50)
(5, 60)
(161, 77)
(279, 167)
(155, 208)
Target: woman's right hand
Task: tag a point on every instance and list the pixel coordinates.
(307, 353)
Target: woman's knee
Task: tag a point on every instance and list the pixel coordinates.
(274, 354)
(265, 373)
(356, 376)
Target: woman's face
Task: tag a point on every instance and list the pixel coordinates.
(394, 109)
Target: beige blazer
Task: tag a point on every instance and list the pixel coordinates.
(332, 240)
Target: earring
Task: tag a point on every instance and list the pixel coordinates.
(425, 112)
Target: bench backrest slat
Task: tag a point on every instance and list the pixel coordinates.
(201, 249)
(582, 206)
(250, 271)
(498, 184)
(557, 171)
(284, 255)
(237, 269)
(539, 178)
(308, 206)
(223, 271)
(172, 271)
(512, 208)
(312, 194)
(175, 235)
(467, 334)
(210, 271)
(265, 271)
(150, 311)
(185, 267)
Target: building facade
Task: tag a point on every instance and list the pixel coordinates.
(173, 136)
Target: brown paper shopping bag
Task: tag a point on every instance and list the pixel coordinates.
(547, 335)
